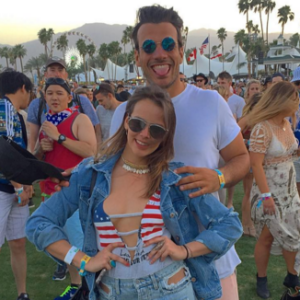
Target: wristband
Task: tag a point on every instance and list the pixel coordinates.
(263, 197)
(70, 255)
(84, 261)
(19, 191)
(221, 178)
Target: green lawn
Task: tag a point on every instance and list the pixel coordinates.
(40, 285)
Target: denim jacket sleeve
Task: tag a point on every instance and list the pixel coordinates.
(45, 226)
(223, 227)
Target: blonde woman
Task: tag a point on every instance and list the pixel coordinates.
(252, 87)
(275, 203)
(247, 223)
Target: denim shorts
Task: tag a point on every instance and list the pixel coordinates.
(151, 287)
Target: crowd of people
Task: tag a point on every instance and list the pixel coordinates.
(148, 212)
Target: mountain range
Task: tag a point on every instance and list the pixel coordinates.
(103, 33)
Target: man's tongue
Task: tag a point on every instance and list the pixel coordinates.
(161, 70)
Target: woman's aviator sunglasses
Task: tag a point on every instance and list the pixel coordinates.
(137, 125)
(168, 44)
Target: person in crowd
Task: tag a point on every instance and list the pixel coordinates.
(15, 90)
(205, 126)
(296, 81)
(56, 67)
(267, 83)
(130, 220)
(252, 87)
(182, 77)
(275, 203)
(66, 138)
(248, 226)
(201, 80)
(81, 91)
(108, 103)
(277, 77)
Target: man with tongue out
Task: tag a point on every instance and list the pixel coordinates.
(205, 126)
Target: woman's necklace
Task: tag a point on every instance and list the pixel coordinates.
(280, 126)
(137, 169)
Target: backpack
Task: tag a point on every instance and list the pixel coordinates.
(43, 108)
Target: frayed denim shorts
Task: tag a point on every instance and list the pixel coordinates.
(151, 287)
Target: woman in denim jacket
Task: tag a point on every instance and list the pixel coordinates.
(138, 225)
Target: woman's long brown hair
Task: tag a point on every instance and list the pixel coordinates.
(159, 159)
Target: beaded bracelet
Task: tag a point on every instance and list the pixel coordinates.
(187, 252)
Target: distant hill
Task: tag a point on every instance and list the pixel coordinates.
(104, 33)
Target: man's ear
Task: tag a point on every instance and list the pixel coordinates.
(137, 57)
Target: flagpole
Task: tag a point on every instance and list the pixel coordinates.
(209, 54)
(196, 60)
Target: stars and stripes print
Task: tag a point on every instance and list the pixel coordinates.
(151, 224)
(203, 46)
(56, 119)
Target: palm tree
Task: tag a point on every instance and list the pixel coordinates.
(91, 49)
(4, 52)
(13, 57)
(36, 63)
(29, 68)
(45, 36)
(256, 29)
(244, 7)
(82, 48)
(62, 44)
(20, 52)
(240, 36)
(258, 6)
(114, 50)
(222, 35)
(269, 6)
(285, 14)
(294, 39)
(104, 54)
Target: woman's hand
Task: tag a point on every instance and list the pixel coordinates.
(165, 247)
(50, 130)
(103, 259)
(269, 206)
(46, 145)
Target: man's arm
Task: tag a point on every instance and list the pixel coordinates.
(237, 166)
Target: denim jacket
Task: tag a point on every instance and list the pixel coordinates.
(179, 212)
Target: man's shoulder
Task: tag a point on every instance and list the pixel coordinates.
(236, 98)
(34, 104)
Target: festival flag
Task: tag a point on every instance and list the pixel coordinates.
(203, 46)
(192, 56)
(216, 54)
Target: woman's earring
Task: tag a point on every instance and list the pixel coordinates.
(126, 130)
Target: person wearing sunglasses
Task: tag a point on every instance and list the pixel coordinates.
(66, 137)
(205, 127)
(138, 224)
(201, 80)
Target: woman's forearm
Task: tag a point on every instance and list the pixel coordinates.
(260, 178)
(197, 249)
(60, 249)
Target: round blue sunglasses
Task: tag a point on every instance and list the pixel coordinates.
(168, 44)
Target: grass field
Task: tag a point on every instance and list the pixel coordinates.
(40, 285)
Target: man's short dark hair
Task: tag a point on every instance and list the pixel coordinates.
(225, 75)
(104, 88)
(156, 14)
(278, 74)
(12, 81)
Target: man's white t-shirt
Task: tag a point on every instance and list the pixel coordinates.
(236, 104)
(204, 126)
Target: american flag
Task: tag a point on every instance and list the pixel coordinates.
(203, 46)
